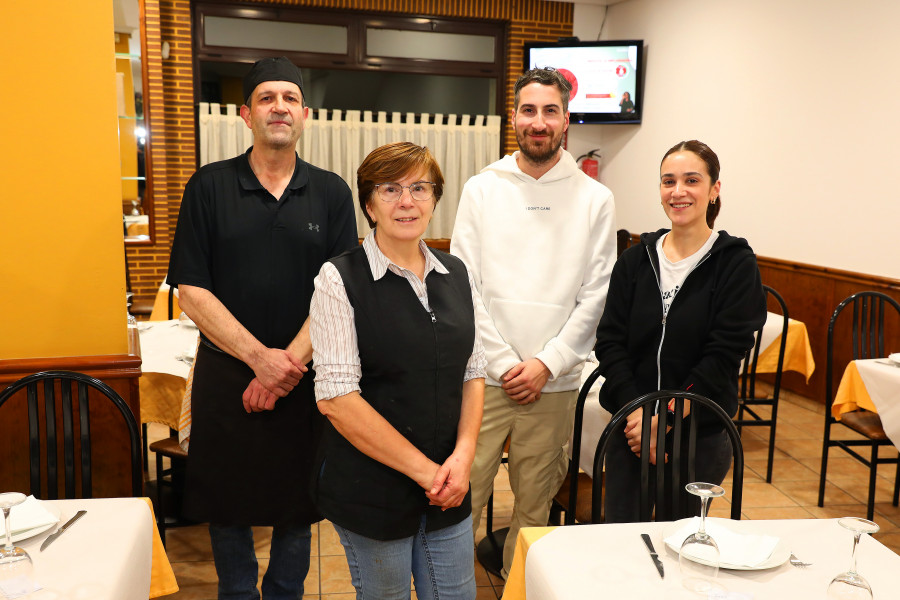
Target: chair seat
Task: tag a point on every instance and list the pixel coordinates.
(169, 447)
(583, 507)
(866, 423)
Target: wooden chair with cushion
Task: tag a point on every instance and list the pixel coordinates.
(59, 404)
(869, 311)
(655, 503)
(748, 401)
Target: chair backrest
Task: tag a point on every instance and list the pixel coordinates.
(751, 358)
(576, 444)
(666, 506)
(62, 408)
(623, 241)
(866, 332)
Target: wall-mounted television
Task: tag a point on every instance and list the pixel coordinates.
(606, 77)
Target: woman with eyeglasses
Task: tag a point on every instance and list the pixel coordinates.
(400, 376)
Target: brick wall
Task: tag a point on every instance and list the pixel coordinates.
(169, 102)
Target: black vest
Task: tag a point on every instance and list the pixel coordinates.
(413, 364)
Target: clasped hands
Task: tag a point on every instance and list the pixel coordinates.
(450, 483)
(277, 373)
(524, 382)
(633, 428)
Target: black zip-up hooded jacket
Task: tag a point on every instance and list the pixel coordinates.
(698, 347)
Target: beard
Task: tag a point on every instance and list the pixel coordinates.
(538, 153)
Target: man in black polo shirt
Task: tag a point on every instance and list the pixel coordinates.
(252, 233)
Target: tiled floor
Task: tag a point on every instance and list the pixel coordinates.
(791, 495)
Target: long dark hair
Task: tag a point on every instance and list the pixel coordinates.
(709, 157)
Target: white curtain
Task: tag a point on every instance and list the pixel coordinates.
(462, 147)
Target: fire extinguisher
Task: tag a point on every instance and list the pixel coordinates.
(590, 165)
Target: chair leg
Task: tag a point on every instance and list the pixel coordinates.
(146, 450)
(771, 451)
(160, 511)
(873, 476)
(897, 483)
(825, 440)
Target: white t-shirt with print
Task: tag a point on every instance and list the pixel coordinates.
(672, 274)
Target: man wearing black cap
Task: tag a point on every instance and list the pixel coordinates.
(252, 233)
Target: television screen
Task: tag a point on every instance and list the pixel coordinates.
(606, 77)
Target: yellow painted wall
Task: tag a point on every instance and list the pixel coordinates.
(62, 269)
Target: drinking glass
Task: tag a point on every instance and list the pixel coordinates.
(698, 558)
(16, 568)
(850, 585)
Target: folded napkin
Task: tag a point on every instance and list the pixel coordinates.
(18, 587)
(735, 549)
(28, 515)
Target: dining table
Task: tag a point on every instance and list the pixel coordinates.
(168, 349)
(113, 552)
(612, 561)
(798, 357)
(874, 385)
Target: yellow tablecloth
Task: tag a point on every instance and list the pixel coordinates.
(162, 578)
(851, 393)
(798, 355)
(515, 583)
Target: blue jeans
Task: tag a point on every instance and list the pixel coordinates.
(237, 567)
(442, 564)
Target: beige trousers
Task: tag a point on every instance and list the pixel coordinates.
(538, 433)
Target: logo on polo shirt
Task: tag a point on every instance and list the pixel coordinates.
(312, 227)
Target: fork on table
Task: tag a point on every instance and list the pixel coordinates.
(799, 563)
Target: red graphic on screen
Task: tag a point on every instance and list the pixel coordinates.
(620, 71)
(570, 77)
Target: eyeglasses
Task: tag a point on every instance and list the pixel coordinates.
(420, 191)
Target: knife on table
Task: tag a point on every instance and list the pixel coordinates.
(654, 555)
(62, 529)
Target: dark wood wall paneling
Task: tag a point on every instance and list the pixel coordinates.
(812, 293)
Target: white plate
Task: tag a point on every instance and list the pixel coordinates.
(30, 533)
(895, 358)
(779, 556)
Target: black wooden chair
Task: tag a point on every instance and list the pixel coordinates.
(623, 241)
(489, 551)
(168, 478)
(658, 506)
(748, 402)
(50, 399)
(574, 495)
(869, 310)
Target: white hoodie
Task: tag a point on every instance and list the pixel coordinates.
(540, 252)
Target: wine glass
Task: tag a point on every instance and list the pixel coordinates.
(850, 584)
(698, 558)
(16, 568)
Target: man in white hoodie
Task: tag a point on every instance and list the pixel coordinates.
(538, 236)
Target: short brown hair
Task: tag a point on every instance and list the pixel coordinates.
(544, 76)
(392, 162)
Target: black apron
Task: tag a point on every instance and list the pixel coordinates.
(248, 468)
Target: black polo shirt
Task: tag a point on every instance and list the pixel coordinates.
(256, 253)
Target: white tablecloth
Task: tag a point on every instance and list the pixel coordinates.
(611, 561)
(162, 342)
(105, 555)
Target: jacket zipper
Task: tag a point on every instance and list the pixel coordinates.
(665, 314)
(437, 362)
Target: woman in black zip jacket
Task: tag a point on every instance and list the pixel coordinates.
(682, 309)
